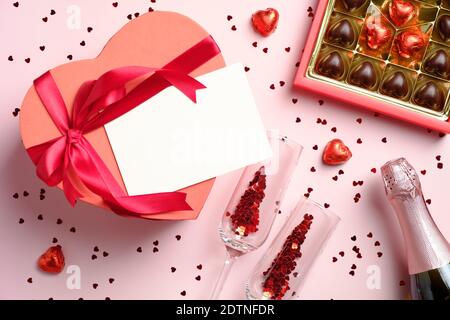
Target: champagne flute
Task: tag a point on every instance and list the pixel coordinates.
(255, 202)
(281, 271)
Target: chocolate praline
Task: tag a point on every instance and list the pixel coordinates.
(364, 75)
(332, 65)
(430, 96)
(438, 64)
(341, 33)
(351, 5)
(444, 27)
(410, 42)
(396, 85)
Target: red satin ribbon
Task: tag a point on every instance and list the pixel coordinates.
(98, 102)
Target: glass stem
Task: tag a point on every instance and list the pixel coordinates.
(232, 256)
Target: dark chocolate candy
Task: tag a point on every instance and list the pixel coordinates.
(438, 64)
(341, 33)
(353, 4)
(364, 75)
(396, 85)
(430, 96)
(444, 27)
(332, 65)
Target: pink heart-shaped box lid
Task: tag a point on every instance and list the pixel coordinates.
(151, 40)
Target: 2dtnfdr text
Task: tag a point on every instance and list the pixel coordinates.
(238, 309)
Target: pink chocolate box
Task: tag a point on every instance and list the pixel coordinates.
(303, 82)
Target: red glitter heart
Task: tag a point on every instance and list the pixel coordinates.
(52, 260)
(265, 21)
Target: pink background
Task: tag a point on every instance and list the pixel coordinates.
(148, 275)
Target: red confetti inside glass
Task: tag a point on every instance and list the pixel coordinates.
(245, 218)
(277, 276)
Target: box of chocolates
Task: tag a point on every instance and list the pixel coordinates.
(388, 56)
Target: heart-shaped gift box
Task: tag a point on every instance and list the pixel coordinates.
(152, 40)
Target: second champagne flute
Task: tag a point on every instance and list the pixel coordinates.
(255, 202)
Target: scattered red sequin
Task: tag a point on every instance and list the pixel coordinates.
(245, 218)
(276, 282)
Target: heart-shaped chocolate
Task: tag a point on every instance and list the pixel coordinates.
(124, 48)
(351, 5)
(396, 85)
(401, 12)
(438, 64)
(364, 75)
(265, 21)
(336, 152)
(52, 260)
(409, 42)
(341, 33)
(444, 27)
(430, 96)
(377, 33)
(332, 65)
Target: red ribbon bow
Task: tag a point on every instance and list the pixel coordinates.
(98, 102)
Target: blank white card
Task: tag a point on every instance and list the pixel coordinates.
(168, 142)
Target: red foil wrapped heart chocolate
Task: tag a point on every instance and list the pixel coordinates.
(410, 42)
(377, 33)
(265, 22)
(402, 12)
(52, 260)
(336, 152)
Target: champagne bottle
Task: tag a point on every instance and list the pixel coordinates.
(428, 252)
